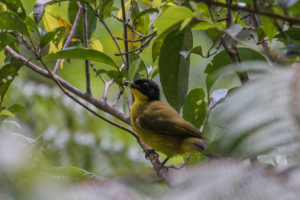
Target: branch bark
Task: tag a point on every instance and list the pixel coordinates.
(252, 10)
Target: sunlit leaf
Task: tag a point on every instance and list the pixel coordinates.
(6, 113)
(81, 53)
(167, 19)
(96, 44)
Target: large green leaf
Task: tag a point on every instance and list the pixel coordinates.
(81, 53)
(174, 68)
(11, 21)
(15, 6)
(222, 59)
(7, 75)
(170, 17)
(194, 107)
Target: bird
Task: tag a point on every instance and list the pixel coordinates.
(159, 125)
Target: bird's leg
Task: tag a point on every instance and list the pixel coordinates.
(183, 164)
(148, 152)
(164, 162)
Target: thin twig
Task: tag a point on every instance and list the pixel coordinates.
(129, 26)
(71, 35)
(107, 84)
(140, 49)
(85, 43)
(125, 25)
(252, 10)
(112, 36)
(140, 39)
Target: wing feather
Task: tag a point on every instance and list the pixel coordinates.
(164, 120)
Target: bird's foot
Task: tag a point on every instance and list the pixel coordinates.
(177, 167)
(148, 152)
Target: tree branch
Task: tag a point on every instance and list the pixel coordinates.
(71, 35)
(100, 104)
(85, 43)
(252, 10)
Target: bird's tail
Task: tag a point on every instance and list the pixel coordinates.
(192, 145)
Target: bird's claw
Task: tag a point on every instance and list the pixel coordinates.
(148, 152)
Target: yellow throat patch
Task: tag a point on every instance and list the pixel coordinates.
(138, 96)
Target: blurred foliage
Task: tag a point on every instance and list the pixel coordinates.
(236, 79)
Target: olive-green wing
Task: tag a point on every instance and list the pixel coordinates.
(162, 119)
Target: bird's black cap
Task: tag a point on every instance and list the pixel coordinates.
(148, 88)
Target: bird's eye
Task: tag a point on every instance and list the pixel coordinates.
(145, 85)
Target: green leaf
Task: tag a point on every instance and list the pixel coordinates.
(15, 6)
(291, 33)
(268, 27)
(91, 19)
(173, 68)
(5, 39)
(168, 18)
(136, 64)
(105, 7)
(55, 36)
(144, 12)
(81, 53)
(11, 21)
(194, 107)
(31, 25)
(222, 59)
(7, 75)
(16, 108)
(70, 172)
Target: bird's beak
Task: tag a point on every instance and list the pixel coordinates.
(129, 83)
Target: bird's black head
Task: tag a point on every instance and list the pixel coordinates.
(146, 87)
